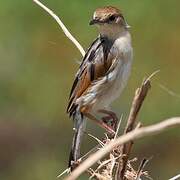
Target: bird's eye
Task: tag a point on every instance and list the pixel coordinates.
(112, 18)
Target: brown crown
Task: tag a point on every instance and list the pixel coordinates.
(108, 10)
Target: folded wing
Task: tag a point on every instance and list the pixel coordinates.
(94, 66)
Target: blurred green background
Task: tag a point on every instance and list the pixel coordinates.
(37, 67)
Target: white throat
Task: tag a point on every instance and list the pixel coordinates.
(111, 31)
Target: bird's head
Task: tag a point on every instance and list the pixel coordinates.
(110, 20)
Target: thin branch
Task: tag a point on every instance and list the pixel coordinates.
(175, 177)
(118, 126)
(141, 167)
(170, 92)
(104, 163)
(139, 97)
(135, 134)
(63, 27)
(138, 100)
(65, 171)
(98, 140)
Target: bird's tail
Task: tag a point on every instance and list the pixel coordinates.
(79, 128)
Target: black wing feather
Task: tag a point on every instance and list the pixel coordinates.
(101, 47)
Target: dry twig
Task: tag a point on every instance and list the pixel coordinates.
(63, 27)
(139, 97)
(169, 91)
(175, 177)
(141, 167)
(135, 134)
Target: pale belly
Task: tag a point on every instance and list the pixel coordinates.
(103, 92)
(114, 87)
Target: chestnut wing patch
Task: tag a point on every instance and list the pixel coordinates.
(95, 64)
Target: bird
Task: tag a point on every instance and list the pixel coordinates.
(101, 77)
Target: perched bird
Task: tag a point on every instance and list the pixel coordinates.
(102, 75)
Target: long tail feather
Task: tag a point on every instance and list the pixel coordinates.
(79, 125)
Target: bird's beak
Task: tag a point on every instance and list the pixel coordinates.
(93, 21)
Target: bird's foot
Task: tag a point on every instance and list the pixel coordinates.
(110, 119)
(75, 164)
